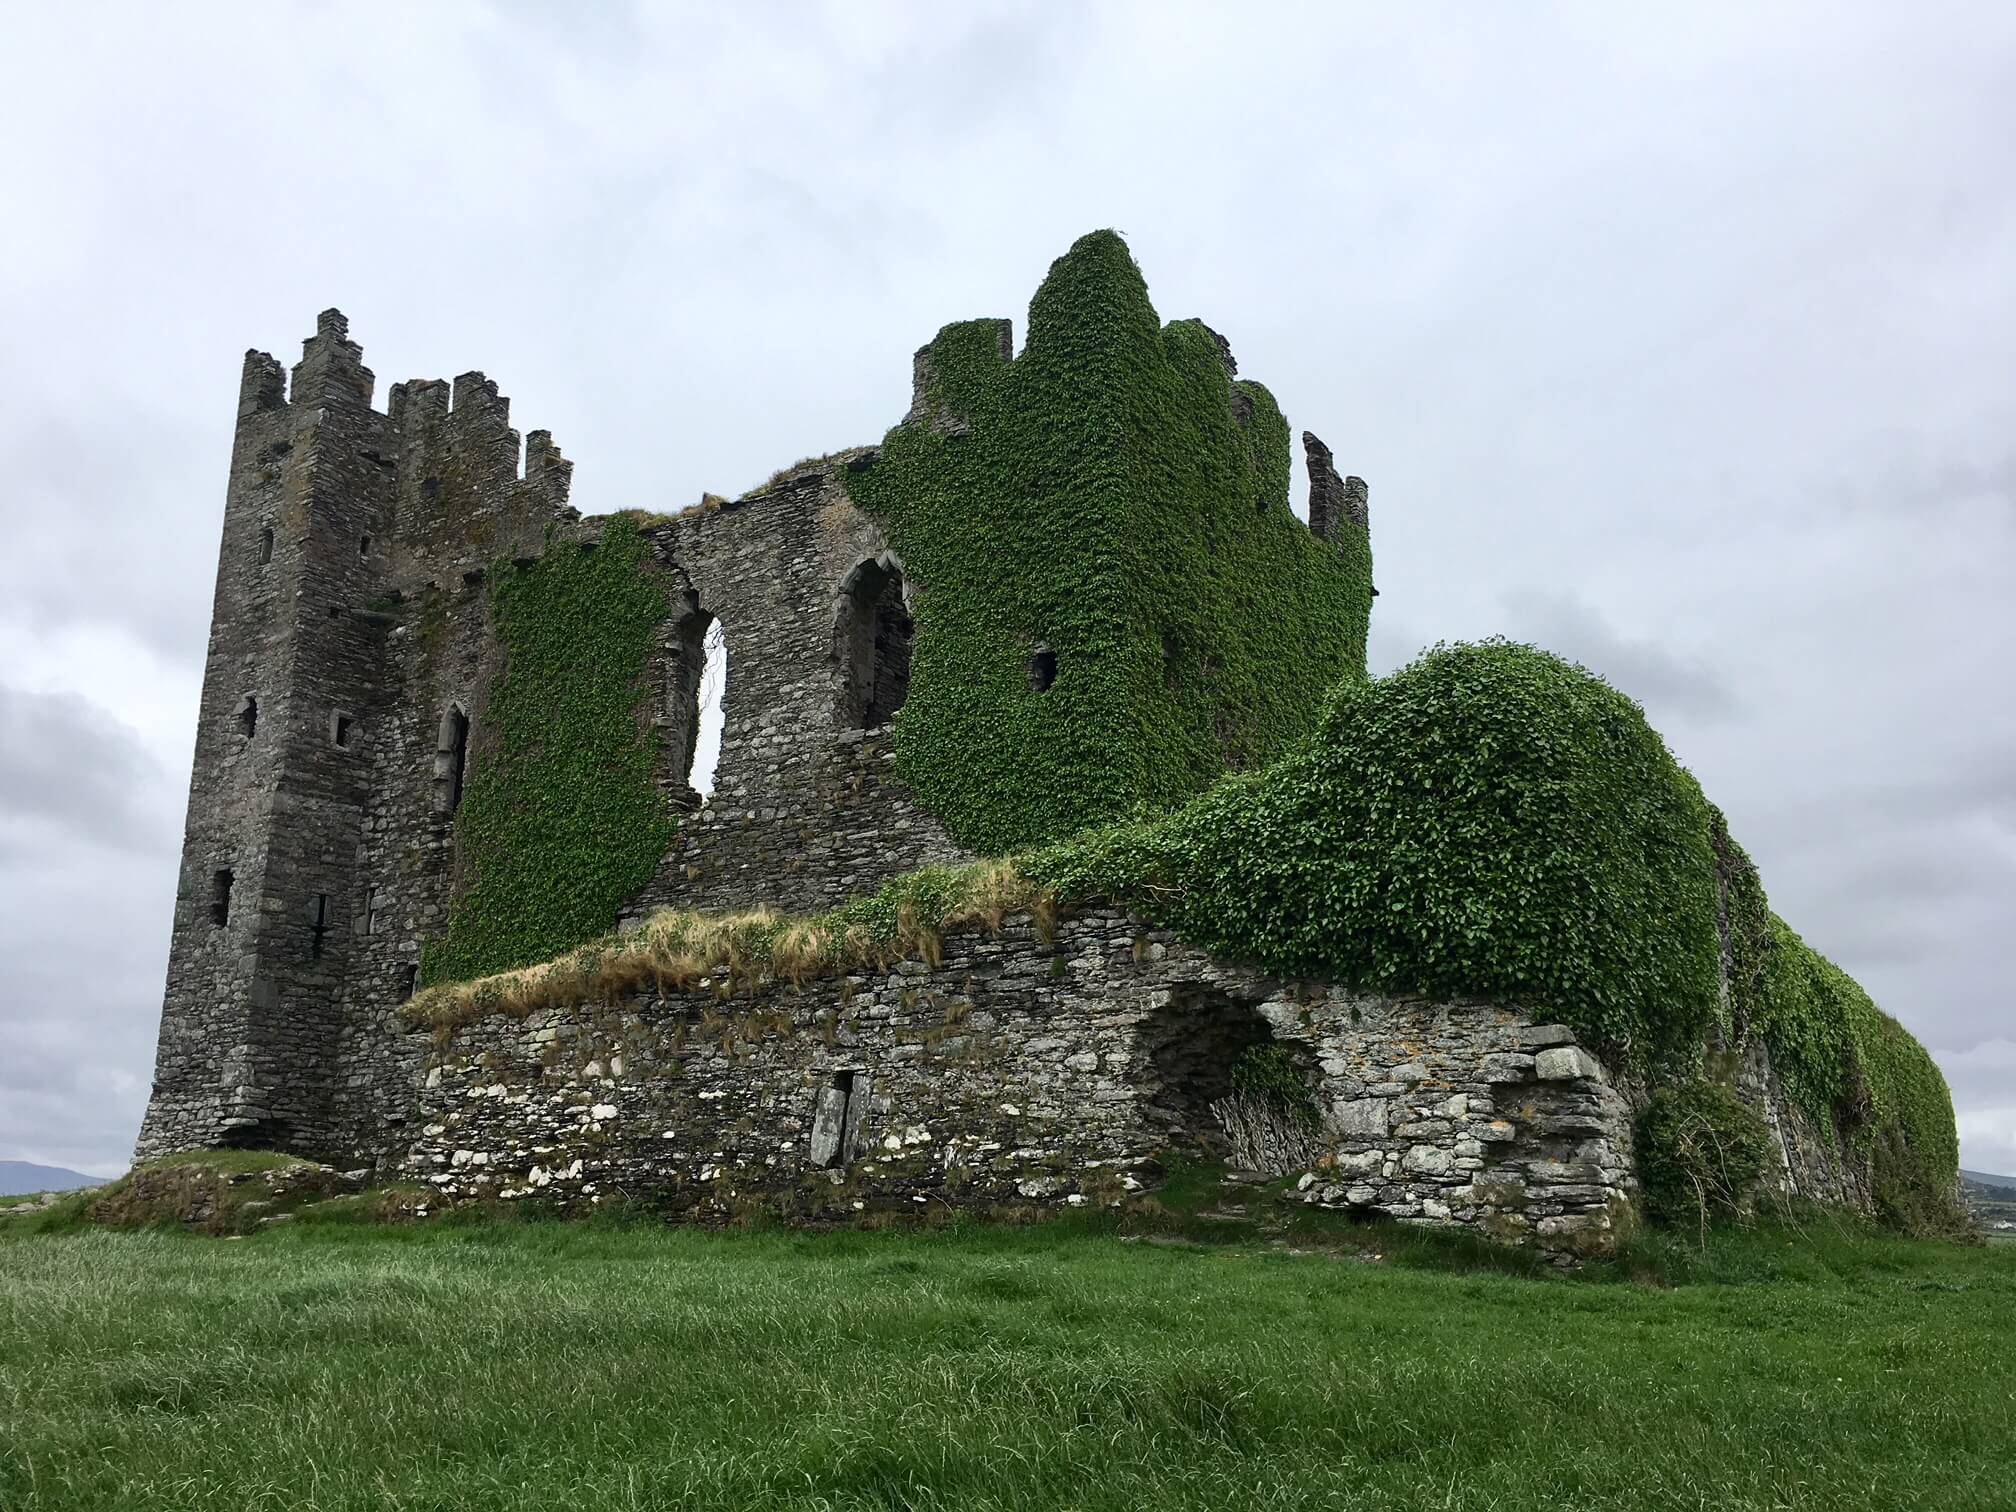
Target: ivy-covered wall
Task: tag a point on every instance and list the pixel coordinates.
(561, 822)
(1488, 821)
(1493, 821)
(1113, 497)
(1846, 1062)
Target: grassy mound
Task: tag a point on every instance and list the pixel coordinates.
(203, 1191)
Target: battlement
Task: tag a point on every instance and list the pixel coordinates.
(469, 418)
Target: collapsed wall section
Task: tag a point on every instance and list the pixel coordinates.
(1022, 1071)
(812, 608)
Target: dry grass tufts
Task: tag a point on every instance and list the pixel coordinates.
(681, 951)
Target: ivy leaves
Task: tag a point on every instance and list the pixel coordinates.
(1100, 498)
(1487, 821)
(563, 823)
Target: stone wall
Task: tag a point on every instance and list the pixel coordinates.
(1021, 1071)
(806, 811)
(352, 608)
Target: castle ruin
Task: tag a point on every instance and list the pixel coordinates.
(350, 716)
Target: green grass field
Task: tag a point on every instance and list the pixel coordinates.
(533, 1365)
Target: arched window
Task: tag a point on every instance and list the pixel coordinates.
(451, 759)
(871, 644)
(696, 697)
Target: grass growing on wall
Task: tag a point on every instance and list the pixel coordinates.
(676, 950)
(561, 821)
(1099, 498)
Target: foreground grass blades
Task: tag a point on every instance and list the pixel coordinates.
(534, 1366)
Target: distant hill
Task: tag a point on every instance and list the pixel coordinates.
(17, 1176)
(1982, 1178)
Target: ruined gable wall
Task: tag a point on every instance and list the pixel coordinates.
(1019, 1071)
(806, 811)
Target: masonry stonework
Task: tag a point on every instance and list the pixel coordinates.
(351, 662)
(1024, 1071)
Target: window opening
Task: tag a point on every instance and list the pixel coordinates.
(451, 760)
(409, 979)
(696, 690)
(836, 1119)
(265, 545)
(220, 896)
(363, 546)
(318, 924)
(248, 716)
(340, 725)
(370, 910)
(1042, 670)
(872, 645)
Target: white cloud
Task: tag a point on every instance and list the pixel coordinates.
(1680, 340)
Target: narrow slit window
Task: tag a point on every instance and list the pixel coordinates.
(318, 924)
(836, 1118)
(409, 980)
(340, 727)
(248, 716)
(265, 545)
(220, 896)
(451, 760)
(458, 760)
(370, 910)
(363, 546)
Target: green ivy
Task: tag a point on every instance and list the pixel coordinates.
(561, 822)
(1493, 821)
(1098, 496)
(1270, 1074)
(1488, 820)
(1700, 1154)
(1846, 1062)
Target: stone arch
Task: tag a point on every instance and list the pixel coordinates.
(696, 697)
(872, 637)
(1188, 1045)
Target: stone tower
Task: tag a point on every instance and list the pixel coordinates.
(332, 510)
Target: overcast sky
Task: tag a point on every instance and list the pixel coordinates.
(1682, 347)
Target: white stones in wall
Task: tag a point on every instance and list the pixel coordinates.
(1361, 1118)
(1428, 1160)
(1567, 1063)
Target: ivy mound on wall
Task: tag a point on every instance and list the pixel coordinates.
(1491, 821)
(561, 823)
(1842, 1058)
(1114, 604)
